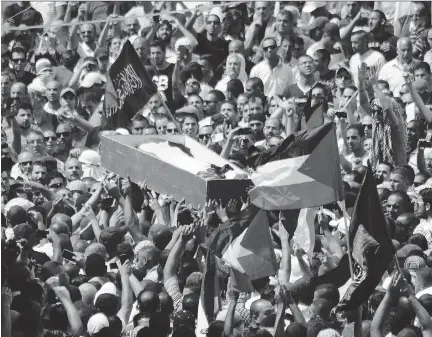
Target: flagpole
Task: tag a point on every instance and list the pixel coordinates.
(169, 112)
(347, 238)
(397, 264)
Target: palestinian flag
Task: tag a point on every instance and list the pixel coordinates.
(372, 247)
(302, 172)
(244, 243)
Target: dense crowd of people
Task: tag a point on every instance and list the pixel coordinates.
(86, 252)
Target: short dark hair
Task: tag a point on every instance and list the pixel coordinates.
(387, 164)
(385, 83)
(24, 106)
(324, 54)
(361, 33)
(381, 14)
(422, 65)
(359, 129)
(218, 94)
(284, 12)
(158, 43)
(190, 115)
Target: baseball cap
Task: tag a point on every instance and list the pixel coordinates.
(344, 70)
(318, 23)
(65, 90)
(42, 64)
(310, 6)
(183, 41)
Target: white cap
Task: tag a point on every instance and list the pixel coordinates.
(107, 288)
(96, 323)
(91, 79)
(310, 6)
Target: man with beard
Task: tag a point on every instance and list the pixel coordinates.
(272, 128)
(24, 119)
(24, 167)
(415, 132)
(140, 46)
(256, 123)
(397, 203)
(53, 105)
(263, 313)
(39, 173)
(73, 170)
(379, 38)
(64, 136)
(299, 90)
(19, 62)
(131, 28)
(374, 60)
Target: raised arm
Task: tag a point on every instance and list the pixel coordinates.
(233, 297)
(423, 316)
(378, 321)
(125, 271)
(226, 151)
(75, 325)
(424, 111)
(46, 192)
(131, 219)
(286, 253)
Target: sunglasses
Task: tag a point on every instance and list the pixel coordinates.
(50, 138)
(20, 60)
(64, 134)
(204, 136)
(214, 23)
(367, 126)
(25, 163)
(209, 102)
(58, 185)
(273, 47)
(171, 130)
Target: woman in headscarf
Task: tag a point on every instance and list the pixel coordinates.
(235, 68)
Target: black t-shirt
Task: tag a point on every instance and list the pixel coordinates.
(217, 49)
(27, 78)
(163, 81)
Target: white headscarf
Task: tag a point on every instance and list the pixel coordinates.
(91, 162)
(222, 84)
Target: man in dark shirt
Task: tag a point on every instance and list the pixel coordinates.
(379, 38)
(321, 59)
(210, 43)
(164, 69)
(19, 62)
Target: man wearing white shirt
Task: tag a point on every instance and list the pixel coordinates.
(275, 75)
(393, 71)
(423, 282)
(373, 59)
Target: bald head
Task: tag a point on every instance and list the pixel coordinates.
(73, 169)
(80, 246)
(18, 90)
(60, 228)
(95, 248)
(63, 218)
(404, 50)
(236, 46)
(88, 292)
